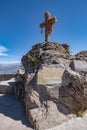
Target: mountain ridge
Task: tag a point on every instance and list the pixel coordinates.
(9, 68)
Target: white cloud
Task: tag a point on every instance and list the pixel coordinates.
(3, 51)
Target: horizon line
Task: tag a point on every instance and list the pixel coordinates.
(12, 62)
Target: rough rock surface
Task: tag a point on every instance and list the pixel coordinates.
(81, 55)
(52, 89)
(79, 65)
(19, 86)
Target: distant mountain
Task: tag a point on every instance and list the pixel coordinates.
(9, 68)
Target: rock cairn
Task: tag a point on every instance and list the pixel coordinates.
(54, 84)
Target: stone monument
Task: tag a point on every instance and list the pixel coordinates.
(54, 83)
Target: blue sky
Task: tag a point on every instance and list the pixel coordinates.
(20, 19)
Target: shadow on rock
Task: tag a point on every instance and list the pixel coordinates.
(9, 106)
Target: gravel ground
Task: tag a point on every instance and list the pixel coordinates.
(12, 114)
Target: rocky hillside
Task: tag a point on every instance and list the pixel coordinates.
(53, 85)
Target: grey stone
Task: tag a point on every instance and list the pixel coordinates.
(79, 65)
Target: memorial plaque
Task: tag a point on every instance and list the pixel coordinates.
(50, 76)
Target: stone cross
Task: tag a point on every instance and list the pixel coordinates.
(48, 25)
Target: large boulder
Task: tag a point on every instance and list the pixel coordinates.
(73, 92)
(52, 89)
(79, 65)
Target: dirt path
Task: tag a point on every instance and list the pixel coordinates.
(12, 115)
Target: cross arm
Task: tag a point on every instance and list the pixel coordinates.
(42, 25)
(53, 20)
